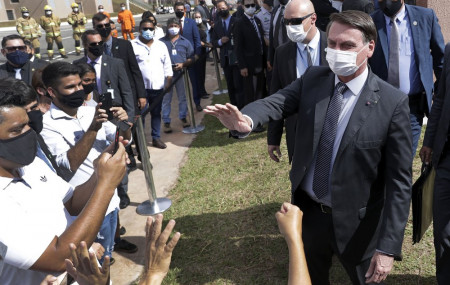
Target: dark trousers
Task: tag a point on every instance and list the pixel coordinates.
(193, 76)
(416, 109)
(441, 218)
(201, 74)
(320, 243)
(254, 87)
(234, 84)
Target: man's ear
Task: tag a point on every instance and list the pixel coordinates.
(4, 52)
(51, 92)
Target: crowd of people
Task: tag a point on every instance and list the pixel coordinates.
(349, 82)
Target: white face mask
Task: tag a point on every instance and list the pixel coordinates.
(198, 21)
(343, 63)
(26, 15)
(123, 8)
(101, 10)
(75, 10)
(296, 33)
(48, 13)
(250, 10)
(173, 31)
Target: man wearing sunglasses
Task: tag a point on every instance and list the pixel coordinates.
(306, 48)
(251, 53)
(18, 59)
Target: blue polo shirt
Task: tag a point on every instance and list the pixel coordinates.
(179, 50)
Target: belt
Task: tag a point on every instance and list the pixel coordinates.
(323, 208)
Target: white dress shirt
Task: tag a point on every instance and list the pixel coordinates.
(302, 56)
(154, 63)
(98, 71)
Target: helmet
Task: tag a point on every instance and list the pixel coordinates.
(23, 9)
(47, 7)
(74, 5)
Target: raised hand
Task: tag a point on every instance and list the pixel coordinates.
(230, 117)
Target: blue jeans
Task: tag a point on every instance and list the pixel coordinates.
(152, 94)
(106, 234)
(182, 105)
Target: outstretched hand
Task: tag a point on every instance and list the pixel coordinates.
(230, 117)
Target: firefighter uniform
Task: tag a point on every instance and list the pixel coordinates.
(77, 20)
(28, 28)
(51, 24)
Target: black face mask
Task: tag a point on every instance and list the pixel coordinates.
(202, 2)
(96, 50)
(390, 8)
(179, 14)
(26, 143)
(224, 13)
(35, 120)
(19, 58)
(73, 100)
(88, 88)
(104, 32)
(269, 2)
(214, 2)
(283, 2)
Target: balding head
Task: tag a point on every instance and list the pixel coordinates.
(302, 9)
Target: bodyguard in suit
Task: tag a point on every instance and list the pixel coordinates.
(277, 31)
(306, 48)
(109, 72)
(436, 149)
(351, 169)
(323, 9)
(222, 37)
(365, 6)
(416, 38)
(250, 50)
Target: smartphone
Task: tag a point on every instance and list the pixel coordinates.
(116, 141)
(107, 103)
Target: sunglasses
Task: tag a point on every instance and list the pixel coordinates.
(296, 21)
(148, 28)
(250, 5)
(100, 43)
(101, 26)
(12, 49)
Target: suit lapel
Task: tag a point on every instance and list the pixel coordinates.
(292, 62)
(322, 45)
(415, 30)
(321, 105)
(104, 76)
(114, 48)
(366, 102)
(380, 23)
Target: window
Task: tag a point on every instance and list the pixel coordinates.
(10, 14)
(14, 1)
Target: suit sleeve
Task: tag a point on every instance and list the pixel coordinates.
(214, 37)
(238, 44)
(271, 50)
(275, 128)
(438, 102)
(196, 36)
(437, 49)
(125, 91)
(398, 165)
(135, 73)
(323, 7)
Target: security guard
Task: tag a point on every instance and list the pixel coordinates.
(51, 24)
(77, 20)
(28, 28)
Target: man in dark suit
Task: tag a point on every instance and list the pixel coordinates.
(36, 63)
(323, 9)
(365, 6)
(436, 149)
(351, 170)
(291, 61)
(277, 32)
(419, 47)
(222, 37)
(251, 53)
(190, 31)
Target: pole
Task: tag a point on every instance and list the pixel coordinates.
(128, 4)
(154, 205)
(220, 91)
(193, 129)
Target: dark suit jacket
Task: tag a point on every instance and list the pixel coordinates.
(359, 5)
(272, 46)
(7, 70)
(124, 50)
(323, 10)
(247, 44)
(439, 119)
(190, 32)
(112, 70)
(371, 175)
(428, 46)
(218, 32)
(284, 73)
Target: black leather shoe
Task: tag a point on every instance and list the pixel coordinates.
(124, 201)
(111, 261)
(259, 129)
(198, 108)
(159, 144)
(122, 231)
(125, 246)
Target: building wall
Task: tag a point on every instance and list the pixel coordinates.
(442, 10)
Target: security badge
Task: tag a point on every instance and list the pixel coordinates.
(174, 51)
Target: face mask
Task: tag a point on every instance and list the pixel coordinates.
(19, 58)
(198, 21)
(202, 2)
(296, 33)
(214, 2)
(343, 63)
(75, 10)
(101, 10)
(250, 11)
(268, 2)
(104, 32)
(283, 2)
(88, 88)
(96, 50)
(224, 13)
(173, 31)
(123, 8)
(35, 120)
(179, 14)
(73, 100)
(25, 15)
(27, 144)
(148, 35)
(48, 13)
(390, 8)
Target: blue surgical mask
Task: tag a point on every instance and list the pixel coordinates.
(19, 58)
(148, 35)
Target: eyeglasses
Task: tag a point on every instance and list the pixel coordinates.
(250, 5)
(296, 21)
(101, 26)
(148, 28)
(100, 43)
(12, 49)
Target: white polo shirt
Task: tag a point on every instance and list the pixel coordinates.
(154, 63)
(32, 213)
(61, 132)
